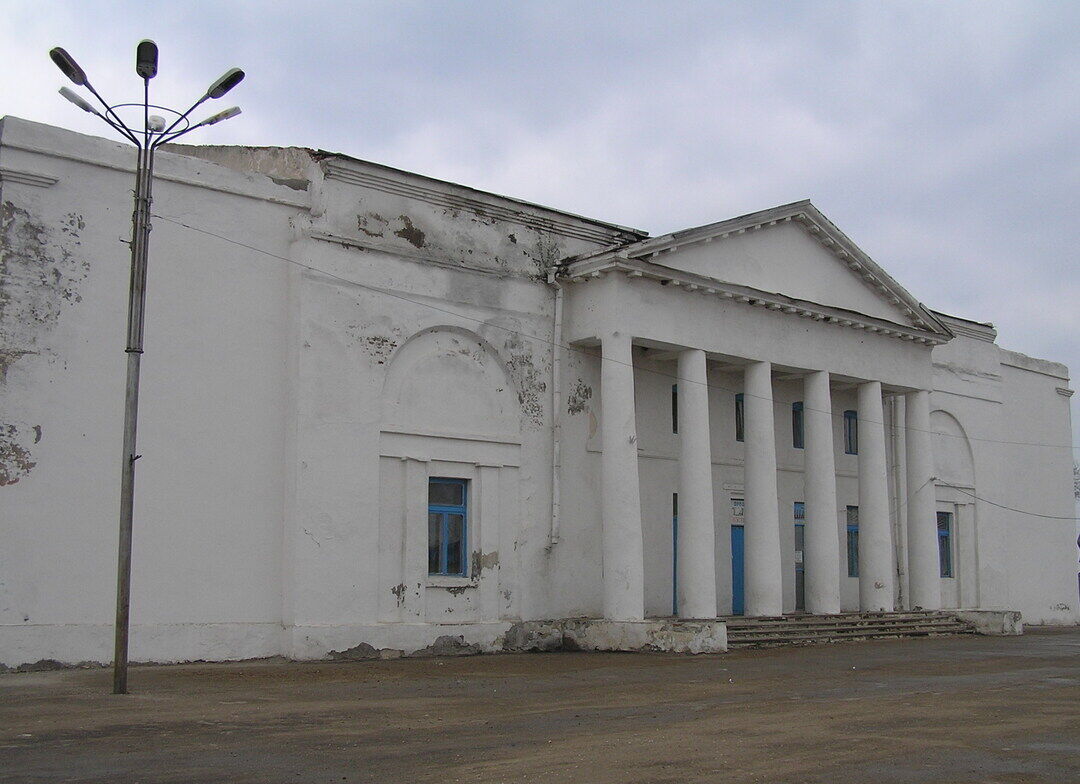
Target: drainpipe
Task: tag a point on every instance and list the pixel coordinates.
(556, 419)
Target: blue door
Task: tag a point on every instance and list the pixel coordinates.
(736, 570)
(674, 553)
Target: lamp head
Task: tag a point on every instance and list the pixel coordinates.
(228, 80)
(78, 100)
(225, 115)
(146, 57)
(66, 63)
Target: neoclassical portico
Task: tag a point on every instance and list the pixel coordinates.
(648, 295)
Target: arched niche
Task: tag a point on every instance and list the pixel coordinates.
(953, 460)
(450, 381)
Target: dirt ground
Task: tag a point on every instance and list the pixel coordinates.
(951, 709)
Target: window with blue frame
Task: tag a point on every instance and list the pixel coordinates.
(944, 539)
(853, 541)
(851, 433)
(740, 417)
(448, 516)
(797, 424)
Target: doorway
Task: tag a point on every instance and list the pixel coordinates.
(737, 539)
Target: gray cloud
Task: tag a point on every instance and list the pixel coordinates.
(941, 136)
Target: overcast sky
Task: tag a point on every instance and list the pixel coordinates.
(942, 137)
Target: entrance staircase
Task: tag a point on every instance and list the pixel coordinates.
(803, 629)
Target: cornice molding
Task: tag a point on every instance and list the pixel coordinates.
(159, 174)
(335, 170)
(36, 179)
(820, 228)
(584, 271)
(985, 334)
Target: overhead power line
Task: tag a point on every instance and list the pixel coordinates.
(565, 347)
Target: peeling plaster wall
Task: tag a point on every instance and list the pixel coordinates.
(259, 525)
(208, 510)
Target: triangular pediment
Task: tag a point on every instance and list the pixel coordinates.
(793, 251)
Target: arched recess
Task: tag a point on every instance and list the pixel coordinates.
(953, 460)
(954, 468)
(447, 380)
(450, 411)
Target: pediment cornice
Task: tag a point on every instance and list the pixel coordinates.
(816, 225)
(583, 271)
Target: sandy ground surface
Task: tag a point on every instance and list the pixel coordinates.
(952, 709)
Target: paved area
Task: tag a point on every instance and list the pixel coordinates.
(951, 709)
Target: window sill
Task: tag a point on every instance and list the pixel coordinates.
(446, 581)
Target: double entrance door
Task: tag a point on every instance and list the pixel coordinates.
(738, 549)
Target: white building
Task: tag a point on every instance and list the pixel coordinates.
(338, 351)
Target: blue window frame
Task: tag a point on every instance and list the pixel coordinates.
(740, 417)
(800, 510)
(853, 541)
(851, 432)
(448, 515)
(944, 539)
(797, 424)
(674, 408)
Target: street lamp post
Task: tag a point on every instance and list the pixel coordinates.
(155, 131)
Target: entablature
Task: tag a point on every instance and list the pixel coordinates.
(592, 268)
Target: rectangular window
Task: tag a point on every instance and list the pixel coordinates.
(448, 517)
(796, 425)
(800, 510)
(944, 539)
(739, 417)
(851, 433)
(674, 408)
(853, 541)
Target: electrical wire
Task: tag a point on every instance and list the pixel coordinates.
(1009, 508)
(565, 347)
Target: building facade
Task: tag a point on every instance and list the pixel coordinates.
(380, 411)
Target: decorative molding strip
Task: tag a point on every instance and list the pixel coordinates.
(1064, 391)
(481, 208)
(668, 276)
(27, 178)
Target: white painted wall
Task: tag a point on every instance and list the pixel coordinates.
(290, 416)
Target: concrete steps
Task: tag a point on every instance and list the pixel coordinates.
(804, 629)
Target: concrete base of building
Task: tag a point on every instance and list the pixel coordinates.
(999, 623)
(666, 635)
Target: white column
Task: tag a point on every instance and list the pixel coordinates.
(875, 535)
(924, 571)
(623, 566)
(764, 593)
(822, 541)
(696, 578)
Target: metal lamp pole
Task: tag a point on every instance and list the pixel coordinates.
(154, 133)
